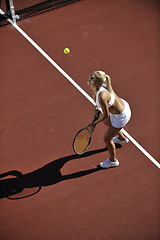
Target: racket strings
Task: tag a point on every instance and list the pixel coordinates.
(82, 141)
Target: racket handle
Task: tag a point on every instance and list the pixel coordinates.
(96, 115)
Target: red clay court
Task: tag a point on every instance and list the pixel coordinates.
(47, 191)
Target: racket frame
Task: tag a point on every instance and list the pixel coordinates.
(90, 131)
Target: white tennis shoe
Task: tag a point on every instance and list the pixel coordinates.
(108, 164)
(117, 140)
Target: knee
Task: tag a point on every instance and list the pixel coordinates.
(107, 139)
(106, 122)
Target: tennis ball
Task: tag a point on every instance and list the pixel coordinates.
(66, 50)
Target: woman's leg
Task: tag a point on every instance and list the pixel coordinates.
(112, 131)
(107, 122)
(121, 135)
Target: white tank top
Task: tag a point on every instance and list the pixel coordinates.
(111, 102)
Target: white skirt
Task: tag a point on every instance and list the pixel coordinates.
(121, 119)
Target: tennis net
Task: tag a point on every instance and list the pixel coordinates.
(24, 9)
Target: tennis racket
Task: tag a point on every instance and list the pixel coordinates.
(83, 138)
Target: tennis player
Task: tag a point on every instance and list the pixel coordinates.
(115, 114)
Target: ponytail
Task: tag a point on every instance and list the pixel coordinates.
(103, 79)
(107, 82)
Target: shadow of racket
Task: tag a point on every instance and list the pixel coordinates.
(13, 187)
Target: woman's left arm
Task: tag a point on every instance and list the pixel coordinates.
(103, 102)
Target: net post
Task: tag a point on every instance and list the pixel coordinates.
(12, 11)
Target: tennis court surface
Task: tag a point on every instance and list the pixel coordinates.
(47, 191)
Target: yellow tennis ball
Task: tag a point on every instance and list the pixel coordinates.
(66, 50)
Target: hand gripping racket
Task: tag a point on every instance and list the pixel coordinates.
(83, 138)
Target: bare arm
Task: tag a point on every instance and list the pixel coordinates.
(103, 96)
(97, 112)
(104, 105)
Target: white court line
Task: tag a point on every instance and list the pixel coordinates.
(78, 87)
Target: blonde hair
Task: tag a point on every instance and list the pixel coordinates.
(103, 78)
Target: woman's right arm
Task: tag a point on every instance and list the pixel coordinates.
(97, 112)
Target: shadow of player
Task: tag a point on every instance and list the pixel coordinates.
(20, 185)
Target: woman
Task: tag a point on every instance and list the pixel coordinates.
(116, 114)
